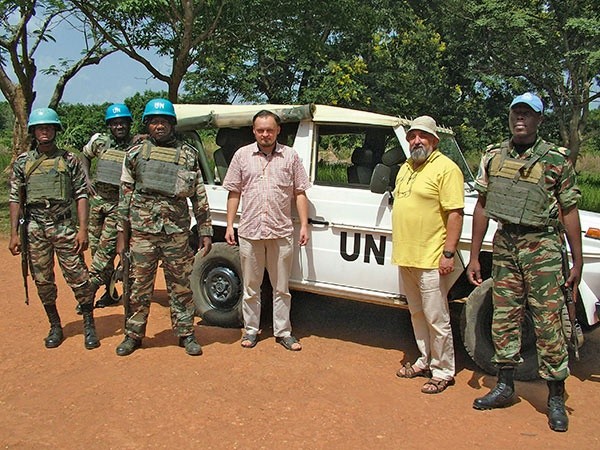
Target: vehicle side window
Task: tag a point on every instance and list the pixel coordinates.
(347, 155)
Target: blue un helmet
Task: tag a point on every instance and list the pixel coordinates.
(159, 107)
(117, 110)
(43, 116)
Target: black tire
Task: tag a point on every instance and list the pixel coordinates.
(475, 327)
(217, 286)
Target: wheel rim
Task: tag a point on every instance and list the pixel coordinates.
(221, 286)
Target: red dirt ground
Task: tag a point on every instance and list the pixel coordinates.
(340, 391)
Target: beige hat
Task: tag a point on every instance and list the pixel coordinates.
(426, 124)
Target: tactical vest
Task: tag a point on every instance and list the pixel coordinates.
(50, 180)
(163, 170)
(110, 166)
(516, 191)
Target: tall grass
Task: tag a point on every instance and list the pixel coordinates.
(589, 183)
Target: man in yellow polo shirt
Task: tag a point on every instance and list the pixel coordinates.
(427, 221)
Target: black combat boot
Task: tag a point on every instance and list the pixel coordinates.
(128, 346)
(55, 335)
(557, 416)
(503, 394)
(191, 345)
(91, 340)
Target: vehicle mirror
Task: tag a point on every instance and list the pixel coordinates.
(380, 179)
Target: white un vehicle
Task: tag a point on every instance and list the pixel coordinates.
(352, 158)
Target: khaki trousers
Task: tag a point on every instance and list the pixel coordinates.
(427, 292)
(276, 256)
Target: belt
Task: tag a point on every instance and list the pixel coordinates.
(522, 229)
(52, 220)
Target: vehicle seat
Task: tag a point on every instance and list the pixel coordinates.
(228, 143)
(393, 158)
(362, 166)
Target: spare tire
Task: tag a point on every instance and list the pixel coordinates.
(217, 285)
(476, 326)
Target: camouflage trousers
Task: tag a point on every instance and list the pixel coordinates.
(47, 239)
(177, 260)
(102, 229)
(527, 272)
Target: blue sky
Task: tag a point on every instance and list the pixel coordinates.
(113, 80)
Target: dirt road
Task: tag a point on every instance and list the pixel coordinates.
(340, 391)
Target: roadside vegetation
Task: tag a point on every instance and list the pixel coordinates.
(461, 61)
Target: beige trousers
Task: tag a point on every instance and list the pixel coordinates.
(276, 256)
(427, 292)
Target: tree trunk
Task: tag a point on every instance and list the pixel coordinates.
(21, 138)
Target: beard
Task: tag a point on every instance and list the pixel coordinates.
(420, 154)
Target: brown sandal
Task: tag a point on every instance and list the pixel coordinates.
(435, 386)
(408, 371)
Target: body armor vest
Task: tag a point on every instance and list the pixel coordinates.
(516, 191)
(163, 170)
(110, 166)
(50, 180)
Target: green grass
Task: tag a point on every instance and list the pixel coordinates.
(589, 183)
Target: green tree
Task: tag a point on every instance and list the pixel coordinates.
(175, 29)
(498, 48)
(373, 54)
(24, 27)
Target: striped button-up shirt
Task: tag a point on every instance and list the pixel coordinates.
(268, 184)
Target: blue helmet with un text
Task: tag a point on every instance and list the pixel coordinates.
(117, 110)
(159, 107)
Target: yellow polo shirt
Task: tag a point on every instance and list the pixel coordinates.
(422, 199)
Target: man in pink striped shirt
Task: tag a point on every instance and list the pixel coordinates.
(267, 176)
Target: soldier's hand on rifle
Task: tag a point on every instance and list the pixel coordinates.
(14, 245)
(573, 281)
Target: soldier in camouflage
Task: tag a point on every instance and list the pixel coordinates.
(53, 179)
(528, 186)
(109, 150)
(159, 176)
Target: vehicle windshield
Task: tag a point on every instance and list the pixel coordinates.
(449, 147)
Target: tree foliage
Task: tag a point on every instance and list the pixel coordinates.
(24, 27)
(498, 48)
(373, 54)
(460, 61)
(175, 29)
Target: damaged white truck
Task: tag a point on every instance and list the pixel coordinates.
(352, 157)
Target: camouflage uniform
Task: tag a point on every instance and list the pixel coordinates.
(51, 227)
(160, 227)
(527, 265)
(102, 225)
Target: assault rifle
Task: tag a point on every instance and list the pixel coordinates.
(22, 229)
(575, 328)
(126, 267)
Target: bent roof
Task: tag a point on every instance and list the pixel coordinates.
(194, 116)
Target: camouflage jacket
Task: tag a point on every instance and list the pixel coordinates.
(558, 174)
(153, 212)
(52, 209)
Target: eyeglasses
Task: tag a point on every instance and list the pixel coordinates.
(404, 190)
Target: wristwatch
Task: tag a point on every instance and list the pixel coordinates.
(448, 254)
